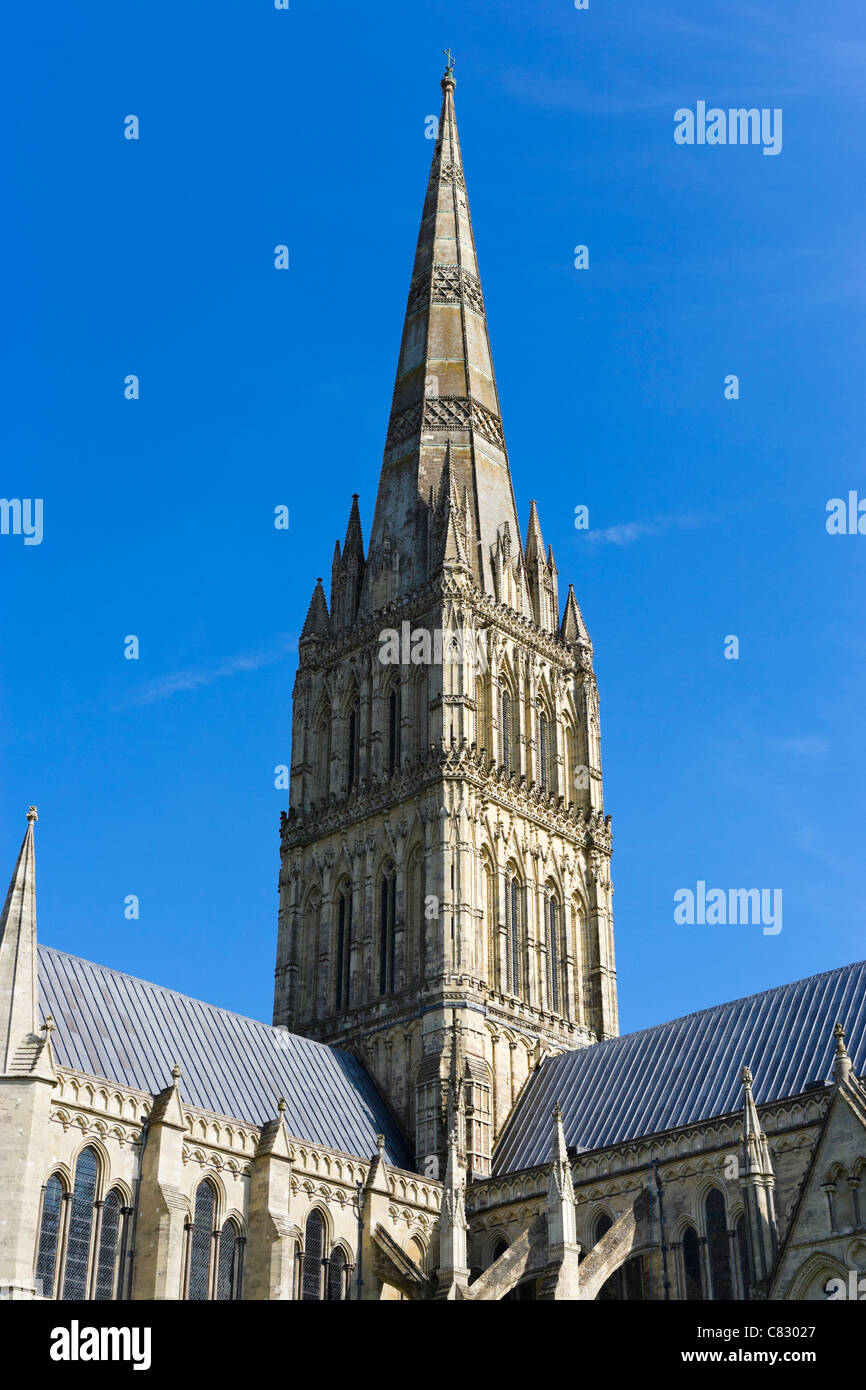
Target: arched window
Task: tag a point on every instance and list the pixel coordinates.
(229, 1265)
(311, 946)
(570, 772)
(498, 1250)
(394, 728)
(314, 1250)
(543, 750)
(505, 730)
(491, 915)
(634, 1279)
(387, 915)
(611, 1289)
(49, 1231)
(353, 744)
(80, 1226)
(337, 1290)
(743, 1254)
(553, 954)
(201, 1244)
(477, 1125)
(343, 952)
(692, 1265)
(106, 1270)
(482, 716)
(717, 1245)
(589, 968)
(513, 904)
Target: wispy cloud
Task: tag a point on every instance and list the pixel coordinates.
(807, 842)
(193, 679)
(627, 532)
(805, 747)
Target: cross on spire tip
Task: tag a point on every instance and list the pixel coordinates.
(449, 81)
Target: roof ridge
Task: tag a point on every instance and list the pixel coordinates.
(193, 998)
(710, 1008)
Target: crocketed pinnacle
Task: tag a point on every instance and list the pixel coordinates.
(18, 969)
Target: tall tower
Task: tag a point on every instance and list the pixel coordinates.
(445, 899)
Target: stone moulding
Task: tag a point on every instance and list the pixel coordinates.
(467, 763)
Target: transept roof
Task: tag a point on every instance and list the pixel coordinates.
(690, 1069)
(130, 1031)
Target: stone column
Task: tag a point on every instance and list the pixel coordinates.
(269, 1264)
(706, 1268)
(326, 918)
(734, 1262)
(854, 1184)
(25, 1105)
(500, 881)
(163, 1208)
(676, 1249)
(95, 1240)
(569, 931)
(530, 937)
(399, 926)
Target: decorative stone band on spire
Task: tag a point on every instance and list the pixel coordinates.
(446, 413)
(446, 283)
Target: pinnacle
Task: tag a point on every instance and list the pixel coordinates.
(317, 622)
(573, 629)
(354, 535)
(534, 542)
(18, 951)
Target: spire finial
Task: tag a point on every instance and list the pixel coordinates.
(176, 1073)
(842, 1064)
(31, 813)
(281, 1106)
(449, 81)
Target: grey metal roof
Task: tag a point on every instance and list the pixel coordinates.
(689, 1069)
(127, 1030)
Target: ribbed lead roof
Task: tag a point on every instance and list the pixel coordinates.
(132, 1032)
(689, 1069)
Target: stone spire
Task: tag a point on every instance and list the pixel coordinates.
(445, 390)
(453, 1271)
(541, 575)
(573, 629)
(317, 623)
(19, 1018)
(561, 1214)
(759, 1189)
(449, 532)
(347, 572)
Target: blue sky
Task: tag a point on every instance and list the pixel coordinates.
(261, 388)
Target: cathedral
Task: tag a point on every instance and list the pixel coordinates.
(443, 1106)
